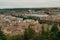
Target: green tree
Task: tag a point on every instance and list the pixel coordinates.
(54, 31)
(54, 28)
(2, 35)
(25, 36)
(29, 33)
(15, 37)
(58, 36)
(45, 34)
(9, 37)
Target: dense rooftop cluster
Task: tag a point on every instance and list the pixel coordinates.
(14, 25)
(14, 22)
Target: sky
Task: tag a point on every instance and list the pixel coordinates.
(29, 3)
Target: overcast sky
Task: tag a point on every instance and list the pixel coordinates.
(29, 3)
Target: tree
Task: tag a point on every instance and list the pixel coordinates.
(54, 28)
(43, 33)
(9, 37)
(29, 33)
(54, 31)
(2, 35)
(25, 36)
(58, 36)
(17, 37)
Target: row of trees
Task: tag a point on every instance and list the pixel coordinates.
(30, 34)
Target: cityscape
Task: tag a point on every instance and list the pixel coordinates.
(30, 24)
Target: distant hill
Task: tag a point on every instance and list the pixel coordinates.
(12, 11)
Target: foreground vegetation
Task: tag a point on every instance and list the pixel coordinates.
(30, 34)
